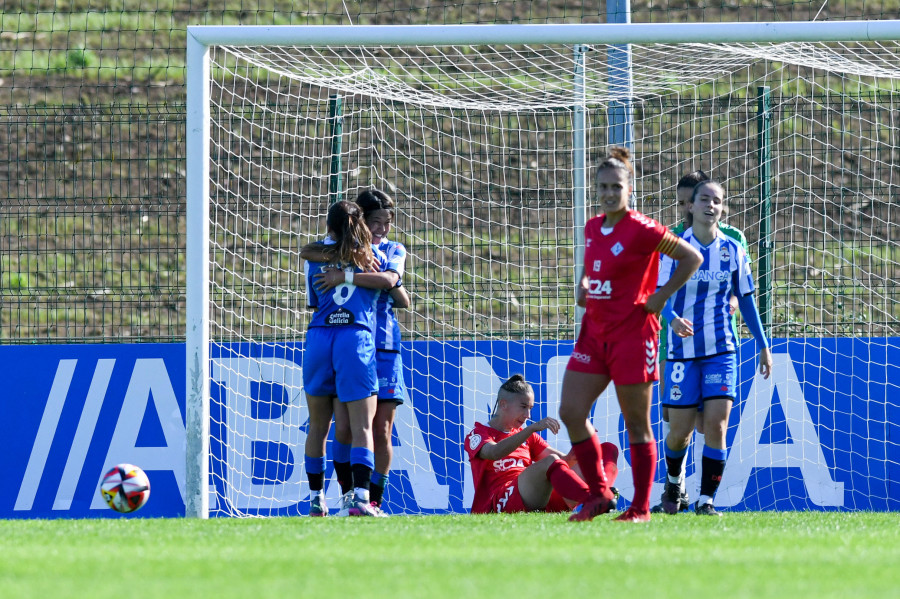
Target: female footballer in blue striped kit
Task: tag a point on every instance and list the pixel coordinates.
(701, 365)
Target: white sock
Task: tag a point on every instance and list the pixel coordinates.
(361, 494)
(704, 499)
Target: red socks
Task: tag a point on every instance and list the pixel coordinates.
(610, 455)
(589, 455)
(643, 465)
(567, 483)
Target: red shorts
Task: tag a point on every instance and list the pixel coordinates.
(557, 503)
(627, 360)
(507, 499)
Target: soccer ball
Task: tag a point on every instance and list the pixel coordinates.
(125, 488)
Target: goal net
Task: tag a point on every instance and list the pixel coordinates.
(480, 146)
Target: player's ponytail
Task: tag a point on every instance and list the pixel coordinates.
(514, 385)
(617, 157)
(353, 242)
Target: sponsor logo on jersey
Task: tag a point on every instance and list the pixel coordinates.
(504, 464)
(580, 357)
(599, 289)
(710, 275)
(340, 317)
(587, 242)
(474, 441)
(596, 266)
(617, 249)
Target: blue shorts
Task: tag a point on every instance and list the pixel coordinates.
(339, 361)
(390, 377)
(691, 382)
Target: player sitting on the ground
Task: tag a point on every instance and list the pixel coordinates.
(514, 469)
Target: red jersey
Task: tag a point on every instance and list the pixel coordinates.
(621, 268)
(491, 477)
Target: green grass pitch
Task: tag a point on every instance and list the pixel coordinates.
(750, 554)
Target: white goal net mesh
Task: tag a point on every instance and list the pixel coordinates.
(475, 144)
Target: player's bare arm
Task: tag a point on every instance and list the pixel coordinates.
(581, 291)
(765, 362)
(682, 327)
(317, 252)
(400, 297)
(689, 260)
(495, 451)
(332, 277)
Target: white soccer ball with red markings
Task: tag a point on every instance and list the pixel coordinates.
(125, 488)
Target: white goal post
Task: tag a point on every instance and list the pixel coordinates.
(504, 101)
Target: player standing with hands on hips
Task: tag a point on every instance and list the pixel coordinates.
(619, 333)
(702, 360)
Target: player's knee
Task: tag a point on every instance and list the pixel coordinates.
(382, 438)
(571, 414)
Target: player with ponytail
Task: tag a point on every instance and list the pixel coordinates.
(514, 469)
(619, 333)
(378, 212)
(339, 354)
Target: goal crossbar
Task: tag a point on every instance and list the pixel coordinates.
(564, 33)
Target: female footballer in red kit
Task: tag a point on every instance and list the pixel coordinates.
(619, 333)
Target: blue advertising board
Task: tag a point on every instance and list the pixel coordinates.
(823, 432)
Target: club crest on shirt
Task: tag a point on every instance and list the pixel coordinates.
(724, 254)
(474, 441)
(617, 249)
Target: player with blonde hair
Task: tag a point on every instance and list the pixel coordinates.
(513, 467)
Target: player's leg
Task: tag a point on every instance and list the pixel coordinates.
(382, 429)
(634, 401)
(362, 457)
(340, 455)
(314, 459)
(391, 393)
(319, 384)
(357, 385)
(722, 371)
(550, 473)
(715, 416)
(579, 391)
(675, 448)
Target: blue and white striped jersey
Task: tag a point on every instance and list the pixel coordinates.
(345, 305)
(387, 331)
(704, 299)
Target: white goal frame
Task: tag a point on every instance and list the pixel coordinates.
(199, 40)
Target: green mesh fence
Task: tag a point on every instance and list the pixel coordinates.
(92, 197)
